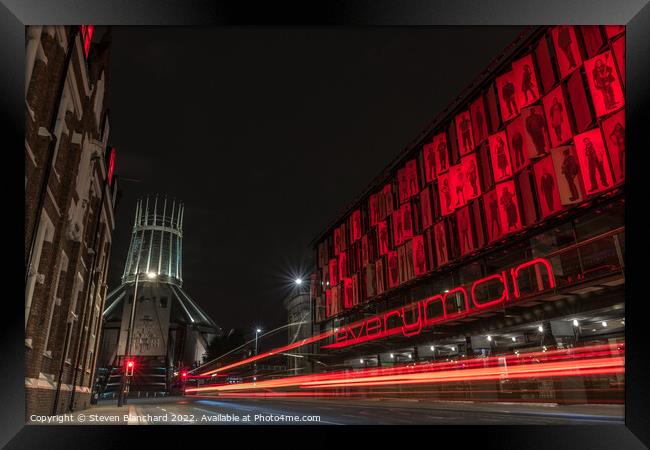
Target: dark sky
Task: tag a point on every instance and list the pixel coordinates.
(266, 134)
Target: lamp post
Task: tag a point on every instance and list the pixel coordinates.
(126, 381)
(257, 332)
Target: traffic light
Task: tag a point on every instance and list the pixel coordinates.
(184, 374)
(130, 364)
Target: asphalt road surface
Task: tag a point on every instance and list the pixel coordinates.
(233, 411)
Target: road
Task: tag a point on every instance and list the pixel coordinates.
(213, 410)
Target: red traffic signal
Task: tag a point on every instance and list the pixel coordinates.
(184, 374)
(130, 364)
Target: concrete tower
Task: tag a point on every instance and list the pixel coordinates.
(170, 331)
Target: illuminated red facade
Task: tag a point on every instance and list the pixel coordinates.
(500, 202)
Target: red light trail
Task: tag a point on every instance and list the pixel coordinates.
(603, 359)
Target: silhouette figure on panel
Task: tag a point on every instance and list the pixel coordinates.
(570, 170)
(595, 164)
(527, 83)
(557, 118)
(472, 176)
(564, 41)
(495, 222)
(618, 139)
(508, 203)
(547, 184)
(508, 94)
(603, 80)
(535, 126)
(518, 146)
(502, 159)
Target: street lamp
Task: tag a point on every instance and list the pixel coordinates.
(257, 332)
(126, 381)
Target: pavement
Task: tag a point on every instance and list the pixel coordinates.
(193, 410)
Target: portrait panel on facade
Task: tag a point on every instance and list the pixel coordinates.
(566, 49)
(526, 85)
(557, 117)
(547, 186)
(536, 138)
(604, 83)
(464, 133)
(492, 215)
(614, 133)
(519, 154)
(594, 161)
(445, 193)
(441, 152)
(569, 174)
(479, 120)
(429, 160)
(507, 93)
(509, 206)
(470, 168)
(440, 241)
(500, 156)
(464, 229)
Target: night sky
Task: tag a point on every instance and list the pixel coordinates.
(267, 134)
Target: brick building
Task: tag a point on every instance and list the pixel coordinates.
(70, 196)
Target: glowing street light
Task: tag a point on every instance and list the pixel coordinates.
(298, 281)
(152, 275)
(575, 322)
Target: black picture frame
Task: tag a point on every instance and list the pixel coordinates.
(15, 14)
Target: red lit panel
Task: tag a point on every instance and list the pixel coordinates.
(373, 208)
(604, 83)
(343, 265)
(371, 283)
(441, 153)
(536, 136)
(525, 187)
(402, 185)
(445, 192)
(380, 276)
(459, 185)
(618, 47)
(547, 187)
(393, 269)
(545, 65)
(479, 120)
(464, 133)
(356, 225)
(440, 241)
(407, 221)
(500, 155)
(579, 103)
(492, 108)
(507, 95)
(614, 133)
(472, 182)
(566, 49)
(429, 158)
(568, 174)
(382, 234)
(396, 220)
(508, 206)
(412, 178)
(465, 231)
(419, 255)
(426, 210)
(557, 117)
(519, 153)
(592, 38)
(526, 85)
(386, 203)
(492, 216)
(596, 171)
